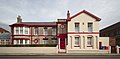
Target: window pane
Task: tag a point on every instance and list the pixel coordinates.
(21, 41)
(77, 41)
(90, 27)
(54, 31)
(17, 30)
(26, 41)
(36, 30)
(89, 41)
(45, 41)
(26, 30)
(45, 31)
(21, 30)
(17, 41)
(76, 27)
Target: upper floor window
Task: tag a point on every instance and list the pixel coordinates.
(76, 27)
(45, 31)
(90, 27)
(77, 39)
(53, 31)
(26, 30)
(21, 30)
(17, 30)
(36, 30)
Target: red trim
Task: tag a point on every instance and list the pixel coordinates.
(45, 38)
(76, 22)
(34, 35)
(36, 40)
(54, 38)
(89, 36)
(61, 22)
(31, 25)
(76, 46)
(62, 35)
(83, 32)
(84, 11)
(89, 46)
(31, 34)
(77, 36)
(21, 39)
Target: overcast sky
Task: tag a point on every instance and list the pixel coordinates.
(51, 10)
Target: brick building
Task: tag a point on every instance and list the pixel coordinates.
(75, 34)
(112, 31)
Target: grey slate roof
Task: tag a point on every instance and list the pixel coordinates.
(38, 23)
(5, 36)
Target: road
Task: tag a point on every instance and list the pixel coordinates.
(63, 57)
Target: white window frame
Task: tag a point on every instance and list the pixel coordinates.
(45, 41)
(54, 40)
(45, 31)
(16, 30)
(77, 41)
(53, 31)
(36, 31)
(89, 41)
(90, 27)
(20, 30)
(77, 27)
(26, 30)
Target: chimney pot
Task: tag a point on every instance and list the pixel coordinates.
(19, 19)
(68, 14)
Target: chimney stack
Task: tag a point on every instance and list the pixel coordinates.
(19, 19)
(68, 14)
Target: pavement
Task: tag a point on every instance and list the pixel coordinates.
(54, 54)
(60, 57)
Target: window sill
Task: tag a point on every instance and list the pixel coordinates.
(76, 46)
(89, 46)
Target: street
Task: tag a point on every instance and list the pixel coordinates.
(62, 57)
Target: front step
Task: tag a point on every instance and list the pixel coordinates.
(61, 51)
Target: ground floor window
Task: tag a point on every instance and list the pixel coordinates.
(54, 40)
(45, 40)
(77, 41)
(2, 42)
(26, 41)
(89, 41)
(17, 41)
(21, 42)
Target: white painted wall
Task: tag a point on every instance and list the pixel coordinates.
(104, 40)
(83, 18)
(28, 50)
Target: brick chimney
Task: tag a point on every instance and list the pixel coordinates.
(68, 14)
(19, 19)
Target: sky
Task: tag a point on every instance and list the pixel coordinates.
(51, 10)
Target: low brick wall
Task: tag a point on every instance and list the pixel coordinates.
(28, 50)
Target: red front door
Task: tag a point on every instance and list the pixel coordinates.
(62, 43)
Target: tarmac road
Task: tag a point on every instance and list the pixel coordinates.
(61, 57)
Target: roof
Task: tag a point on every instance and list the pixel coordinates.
(37, 23)
(5, 36)
(84, 11)
(3, 30)
(113, 26)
